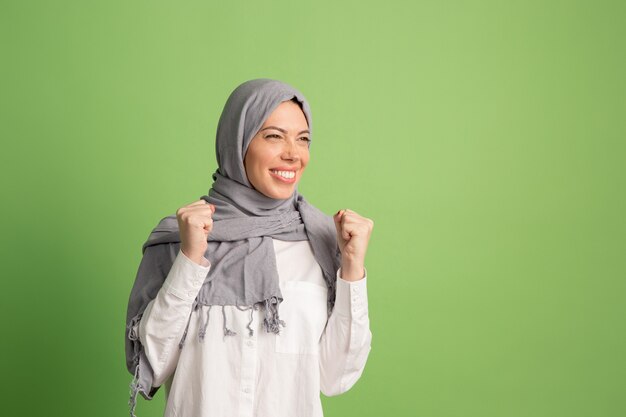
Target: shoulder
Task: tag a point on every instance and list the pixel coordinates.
(310, 212)
(166, 231)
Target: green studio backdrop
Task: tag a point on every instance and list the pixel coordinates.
(486, 139)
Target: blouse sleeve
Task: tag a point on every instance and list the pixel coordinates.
(346, 341)
(165, 318)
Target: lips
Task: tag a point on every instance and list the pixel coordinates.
(288, 176)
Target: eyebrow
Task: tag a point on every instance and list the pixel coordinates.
(282, 130)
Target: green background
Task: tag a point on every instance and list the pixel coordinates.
(486, 139)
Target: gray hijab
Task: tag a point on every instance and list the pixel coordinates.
(243, 263)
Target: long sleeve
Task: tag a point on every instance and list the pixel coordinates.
(165, 318)
(346, 341)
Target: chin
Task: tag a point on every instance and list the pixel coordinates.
(280, 194)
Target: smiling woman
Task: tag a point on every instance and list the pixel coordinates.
(290, 281)
(278, 154)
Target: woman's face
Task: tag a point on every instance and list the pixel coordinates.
(279, 152)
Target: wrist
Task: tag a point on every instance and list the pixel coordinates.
(352, 271)
(196, 257)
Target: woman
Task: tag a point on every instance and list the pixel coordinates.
(250, 301)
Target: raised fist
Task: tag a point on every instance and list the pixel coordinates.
(195, 222)
(353, 235)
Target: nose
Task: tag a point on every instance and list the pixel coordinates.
(290, 151)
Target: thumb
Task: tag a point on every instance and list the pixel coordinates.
(337, 218)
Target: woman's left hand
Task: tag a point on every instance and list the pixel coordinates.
(353, 235)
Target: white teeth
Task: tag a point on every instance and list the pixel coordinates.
(285, 174)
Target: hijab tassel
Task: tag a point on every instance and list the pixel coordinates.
(203, 326)
(227, 331)
(250, 331)
(251, 308)
(135, 386)
(134, 390)
(271, 321)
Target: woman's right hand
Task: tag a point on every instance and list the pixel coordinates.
(195, 222)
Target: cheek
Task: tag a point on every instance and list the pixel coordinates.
(253, 164)
(255, 160)
(304, 158)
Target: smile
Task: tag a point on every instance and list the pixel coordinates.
(286, 176)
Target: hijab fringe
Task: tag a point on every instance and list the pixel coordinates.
(135, 385)
(134, 390)
(203, 326)
(272, 321)
(227, 331)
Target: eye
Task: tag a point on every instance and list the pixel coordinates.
(304, 138)
(272, 136)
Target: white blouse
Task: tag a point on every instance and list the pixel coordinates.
(264, 374)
